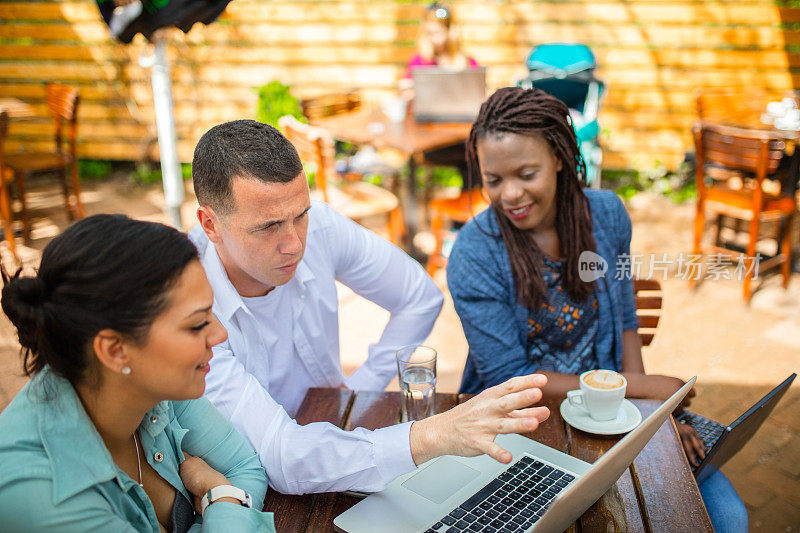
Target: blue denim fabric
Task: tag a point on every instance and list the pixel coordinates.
(726, 510)
(495, 324)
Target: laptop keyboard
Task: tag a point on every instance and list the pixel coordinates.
(709, 431)
(511, 502)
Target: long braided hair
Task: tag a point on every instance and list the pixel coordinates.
(532, 112)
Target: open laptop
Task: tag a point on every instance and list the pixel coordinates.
(442, 95)
(542, 489)
(723, 442)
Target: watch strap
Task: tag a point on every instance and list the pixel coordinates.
(225, 491)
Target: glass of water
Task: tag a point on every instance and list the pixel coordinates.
(416, 370)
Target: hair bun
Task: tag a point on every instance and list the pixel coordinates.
(22, 301)
(31, 291)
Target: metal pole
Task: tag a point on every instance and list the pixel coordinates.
(165, 123)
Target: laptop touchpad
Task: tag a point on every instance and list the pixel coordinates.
(440, 480)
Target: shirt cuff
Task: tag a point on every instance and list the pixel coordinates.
(227, 516)
(392, 447)
(365, 379)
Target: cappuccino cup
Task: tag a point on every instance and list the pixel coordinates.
(600, 395)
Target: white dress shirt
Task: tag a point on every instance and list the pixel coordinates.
(257, 377)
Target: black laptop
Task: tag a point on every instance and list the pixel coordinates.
(723, 442)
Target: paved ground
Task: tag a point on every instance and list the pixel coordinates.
(737, 352)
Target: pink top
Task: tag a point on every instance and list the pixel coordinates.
(420, 62)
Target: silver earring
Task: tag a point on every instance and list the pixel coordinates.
(126, 370)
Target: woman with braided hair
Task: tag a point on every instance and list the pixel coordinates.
(514, 275)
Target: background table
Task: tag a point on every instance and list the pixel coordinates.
(16, 108)
(410, 138)
(658, 492)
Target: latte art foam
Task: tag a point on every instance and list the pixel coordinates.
(603, 379)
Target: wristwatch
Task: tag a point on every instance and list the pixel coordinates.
(225, 491)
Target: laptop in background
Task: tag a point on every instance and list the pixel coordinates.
(541, 490)
(442, 95)
(723, 442)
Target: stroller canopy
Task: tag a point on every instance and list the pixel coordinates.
(566, 71)
(561, 60)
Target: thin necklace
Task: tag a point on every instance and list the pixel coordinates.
(138, 461)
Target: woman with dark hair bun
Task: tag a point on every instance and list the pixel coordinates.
(111, 432)
(514, 274)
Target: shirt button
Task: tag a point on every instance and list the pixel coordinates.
(158, 456)
(153, 419)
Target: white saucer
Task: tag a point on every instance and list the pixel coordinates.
(628, 418)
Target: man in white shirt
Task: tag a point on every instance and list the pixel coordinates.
(272, 257)
(293, 325)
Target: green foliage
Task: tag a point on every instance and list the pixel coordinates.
(375, 179)
(311, 175)
(275, 101)
(94, 169)
(442, 176)
(16, 41)
(447, 177)
(684, 194)
(145, 174)
(678, 186)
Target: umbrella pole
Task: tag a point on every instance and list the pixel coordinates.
(165, 123)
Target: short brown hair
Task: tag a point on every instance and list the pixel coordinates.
(241, 148)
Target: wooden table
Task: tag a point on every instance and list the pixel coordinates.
(658, 493)
(410, 138)
(16, 108)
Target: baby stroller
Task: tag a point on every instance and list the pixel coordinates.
(566, 71)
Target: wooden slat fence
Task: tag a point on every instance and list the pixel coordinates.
(653, 54)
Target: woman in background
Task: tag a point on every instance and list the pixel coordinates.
(116, 331)
(439, 45)
(514, 274)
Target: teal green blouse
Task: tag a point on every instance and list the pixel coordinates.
(57, 475)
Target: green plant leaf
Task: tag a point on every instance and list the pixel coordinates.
(274, 101)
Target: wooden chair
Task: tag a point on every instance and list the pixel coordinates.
(755, 152)
(356, 200)
(330, 104)
(5, 198)
(459, 209)
(648, 307)
(742, 108)
(62, 102)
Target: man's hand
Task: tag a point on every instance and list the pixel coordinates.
(692, 444)
(470, 428)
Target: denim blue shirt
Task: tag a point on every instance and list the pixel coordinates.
(495, 323)
(57, 475)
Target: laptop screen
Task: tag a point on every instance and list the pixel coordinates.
(742, 430)
(442, 95)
